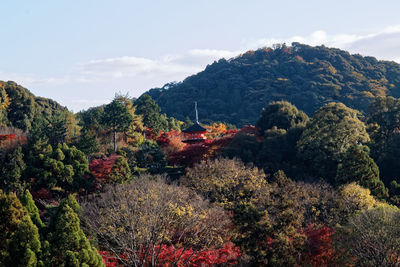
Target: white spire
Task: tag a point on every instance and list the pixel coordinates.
(197, 115)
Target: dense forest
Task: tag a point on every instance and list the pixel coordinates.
(235, 90)
(309, 183)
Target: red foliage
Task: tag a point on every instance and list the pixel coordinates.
(168, 255)
(192, 154)
(150, 134)
(108, 259)
(43, 193)
(249, 129)
(11, 140)
(321, 251)
(101, 169)
(171, 142)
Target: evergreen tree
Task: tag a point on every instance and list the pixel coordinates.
(282, 115)
(28, 203)
(117, 117)
(12, 168)
(358, 166)
(20, 243)
(332, 130)
(68, 244)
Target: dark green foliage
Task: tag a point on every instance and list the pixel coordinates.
(88, 143)
(62, 166)
(152, 118)
(237, 89)
(385, 147)
(243, 146)
(56, 129)
(12, 168)
(91, 119)
(150, 156)
(332, 130)
(24, 106)
(20, 244)
(117, 117)
(68, 244)
(358, 166)
(282, 115)
(278, 151)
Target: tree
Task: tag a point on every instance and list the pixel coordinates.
(133, 221)
(68, 244)
(332, 130)
(356, 198)
(28, 203)
(117, 117)
(150, 111)
(12, 168)
(63, 166)
(244, 146)
(372, 237)
(358, 166)
(385, 114)
(226, 182)
(20, 244)
(150, 156)
(282, 115)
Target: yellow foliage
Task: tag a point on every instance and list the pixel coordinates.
(215, 130)
(358, 198)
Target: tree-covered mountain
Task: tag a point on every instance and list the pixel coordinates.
(19, 107)
(237, 89)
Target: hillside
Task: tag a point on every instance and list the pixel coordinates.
(237, 89)
(19, 107)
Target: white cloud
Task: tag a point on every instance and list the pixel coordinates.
(104, 76)
(129, 66)
(382, 44)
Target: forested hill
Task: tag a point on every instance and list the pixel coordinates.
(19, 107)
(237, 89)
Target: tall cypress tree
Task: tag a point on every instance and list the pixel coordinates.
(20, 243)
(28, 203)
(68, 244)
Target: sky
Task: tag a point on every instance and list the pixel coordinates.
(82, 52)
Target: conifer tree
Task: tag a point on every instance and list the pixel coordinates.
(68, 244)
(358, 166)
(117, 117)
(20, 243)
(28, 203)
(12, 167)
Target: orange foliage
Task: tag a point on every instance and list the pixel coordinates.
(215, 130)
(171, 142)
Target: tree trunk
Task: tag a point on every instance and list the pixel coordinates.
(115, 141)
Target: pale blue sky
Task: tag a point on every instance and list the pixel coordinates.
(81, 52)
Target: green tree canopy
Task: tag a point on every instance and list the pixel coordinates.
(68, 244)
(332, 130)
(358, 166)
(117, 117)
(20, 243)
(282, 115)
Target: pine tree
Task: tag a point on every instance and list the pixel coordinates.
(20, 243)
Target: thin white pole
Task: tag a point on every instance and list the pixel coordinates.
(197, 115)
